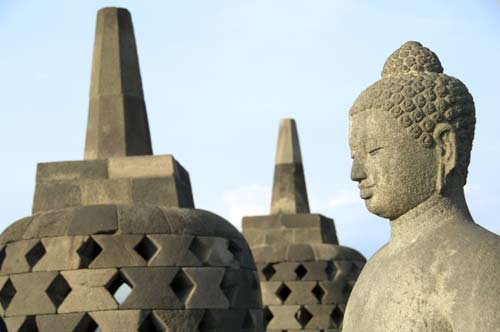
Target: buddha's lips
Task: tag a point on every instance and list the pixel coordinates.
(365, 192)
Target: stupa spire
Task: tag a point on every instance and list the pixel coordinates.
(117, 123)
(289, 187)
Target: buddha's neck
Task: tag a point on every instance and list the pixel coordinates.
(429, 215)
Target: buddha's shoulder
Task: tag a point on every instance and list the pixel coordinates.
(473, 250)
(471, 239)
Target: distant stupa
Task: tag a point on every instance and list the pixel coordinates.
(306, 276)
(114, 243)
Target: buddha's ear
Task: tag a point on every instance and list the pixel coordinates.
(446, 153)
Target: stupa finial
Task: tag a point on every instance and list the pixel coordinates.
(117, 124)
(289, 187)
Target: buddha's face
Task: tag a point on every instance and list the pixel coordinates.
(395, 173)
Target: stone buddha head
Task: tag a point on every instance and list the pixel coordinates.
(411, 133)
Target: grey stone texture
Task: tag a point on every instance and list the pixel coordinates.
(306, 277)
(159, 180)
(115, 243)
(411, 136)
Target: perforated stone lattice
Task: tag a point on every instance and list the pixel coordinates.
(210, 285)
(293, 299)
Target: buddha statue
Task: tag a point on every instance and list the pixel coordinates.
(411, 136)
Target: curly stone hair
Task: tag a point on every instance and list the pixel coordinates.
(415, 91)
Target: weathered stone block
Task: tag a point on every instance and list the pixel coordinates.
(207, 293)
(180, 320)
(334, 291)
(49, 224)
(142, 166)
(15, 257)
(62, 322)
(212, 251)
(113, 191)
(301, 292)
(283, 317)
(88, 291)
(31, 296)
(61, 254)
(94, 220)
(269, 289)
(14, 323)
(151, 288)
(173, 250)
(15, 231)
(283, 236)
(161, 191)
(56, 195)
(72, 171)
(299, 252)
(118, 251)
(261, 222)
(142, 220)
(120, 320)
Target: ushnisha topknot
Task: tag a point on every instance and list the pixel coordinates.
(415, 91)
(412, 57)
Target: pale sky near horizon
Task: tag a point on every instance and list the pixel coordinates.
(219, 75)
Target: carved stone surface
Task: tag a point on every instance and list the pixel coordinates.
(115, 243)
(411, 136)
(305, 275)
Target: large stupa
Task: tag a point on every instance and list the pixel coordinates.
(306, 276)
(114, 243)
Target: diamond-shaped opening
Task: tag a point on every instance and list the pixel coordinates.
(151, 324)
(58, 290)
(88, 251)
(2, 258)
(268, 316)
(35, 254)
(120, 288)
(208, 323)
(235, 249)
(146, 248)
(303, 316)
(199, 249)
(29, 325)
(87, 324)
(283, 292)
(268, 271)
(331, 270)
(182, 285)
(301, 271)
(3, 326)
(337, 316)
(318, 292)
(7, 294)
(248, 322)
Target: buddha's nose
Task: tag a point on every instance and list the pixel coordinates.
(357, 171)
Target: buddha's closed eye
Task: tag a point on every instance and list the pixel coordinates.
(375, 151)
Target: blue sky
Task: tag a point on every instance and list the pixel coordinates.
(219, 75)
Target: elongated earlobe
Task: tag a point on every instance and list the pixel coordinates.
(446, 153)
